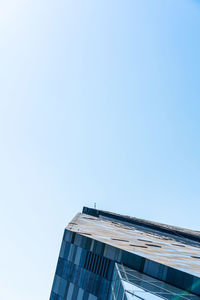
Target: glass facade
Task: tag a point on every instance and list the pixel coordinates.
(128, 284)
(81, 274)
(84, 274)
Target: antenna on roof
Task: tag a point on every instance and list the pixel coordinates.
(95, 205)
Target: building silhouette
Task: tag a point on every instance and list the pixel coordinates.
(109, 256)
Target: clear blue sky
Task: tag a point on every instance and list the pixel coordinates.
(99, 102)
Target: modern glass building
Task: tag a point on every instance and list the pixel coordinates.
(107, 256)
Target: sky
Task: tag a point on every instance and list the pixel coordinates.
(99, 103)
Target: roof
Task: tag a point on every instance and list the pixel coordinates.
(172, 246)
(174, 230)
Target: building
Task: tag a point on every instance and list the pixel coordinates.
(109, 256)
